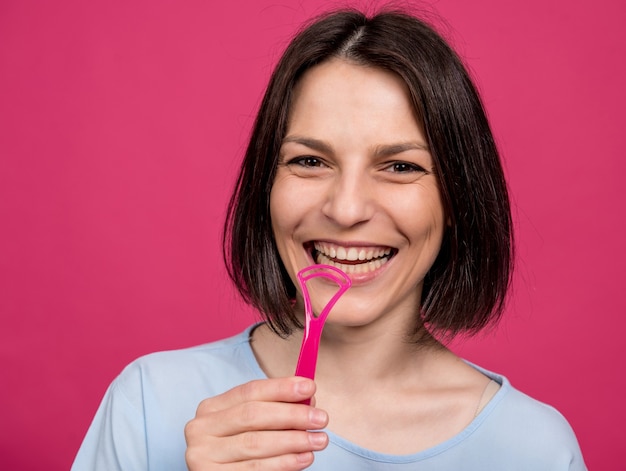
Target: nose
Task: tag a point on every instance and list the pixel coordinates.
(349, 200)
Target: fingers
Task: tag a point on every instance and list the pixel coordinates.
(258, 425)
(265, 444)
(258, 415)
(272, 404)
(293, 389)
(291, 462)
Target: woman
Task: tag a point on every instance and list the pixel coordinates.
(371, 152)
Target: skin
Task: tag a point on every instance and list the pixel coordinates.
(354, 172)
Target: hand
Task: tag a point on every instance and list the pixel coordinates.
(259, 425)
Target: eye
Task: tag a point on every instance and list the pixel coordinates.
(306, 161)
(404, 167)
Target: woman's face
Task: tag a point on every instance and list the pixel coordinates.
(355, 188)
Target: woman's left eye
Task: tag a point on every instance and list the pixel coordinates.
(403, 167)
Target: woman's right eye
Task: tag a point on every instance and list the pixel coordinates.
(306, 161)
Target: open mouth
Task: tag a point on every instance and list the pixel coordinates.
(351, 260)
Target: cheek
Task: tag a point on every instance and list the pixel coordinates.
(419, 212)
(285, 211)
(289, 212)
(436, 220)
(292, 201)
(421, 221)
(277, 214)
(279, 203)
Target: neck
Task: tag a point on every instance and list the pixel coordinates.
(350, 356)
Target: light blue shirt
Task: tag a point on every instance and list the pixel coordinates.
(140, 423)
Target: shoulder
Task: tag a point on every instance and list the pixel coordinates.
(197, 372)
(536, 432)
(144, 411)
(530, 414)
(509, 403)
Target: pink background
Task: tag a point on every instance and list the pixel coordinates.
(122, 124)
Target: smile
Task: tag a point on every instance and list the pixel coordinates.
(351, 260)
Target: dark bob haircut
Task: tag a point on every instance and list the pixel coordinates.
(465, 289)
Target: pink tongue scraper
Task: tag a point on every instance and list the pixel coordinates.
(314, 324)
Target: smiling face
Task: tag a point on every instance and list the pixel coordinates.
(355, 188)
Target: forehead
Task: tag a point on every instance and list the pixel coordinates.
(339, 95)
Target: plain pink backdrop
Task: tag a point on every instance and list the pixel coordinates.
(121, 127)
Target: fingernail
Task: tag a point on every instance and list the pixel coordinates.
(318, 440)
(304, 388)
(304, 458)
(318, 417)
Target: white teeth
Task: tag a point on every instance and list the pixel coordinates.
(341, 253)
(353, 254)
(355, 268)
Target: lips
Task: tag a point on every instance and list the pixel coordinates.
(351, 259)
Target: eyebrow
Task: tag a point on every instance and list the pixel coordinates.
(393, 149)
(311, 143)
(384, 150)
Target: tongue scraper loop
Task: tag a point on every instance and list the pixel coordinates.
(313, 325)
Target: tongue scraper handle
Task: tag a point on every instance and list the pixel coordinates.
(313, 325)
